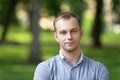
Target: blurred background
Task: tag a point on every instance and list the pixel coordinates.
(26, 34)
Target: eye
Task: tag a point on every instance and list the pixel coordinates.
(74, 30)
(63, 32)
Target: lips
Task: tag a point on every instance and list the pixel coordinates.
(69, 43)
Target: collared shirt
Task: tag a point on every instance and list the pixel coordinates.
(58, 68)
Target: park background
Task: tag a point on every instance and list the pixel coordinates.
(26, 34)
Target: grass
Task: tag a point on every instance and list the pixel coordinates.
(14, 66)
(16, 72)
(13, 58)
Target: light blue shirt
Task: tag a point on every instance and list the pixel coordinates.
(57, 68)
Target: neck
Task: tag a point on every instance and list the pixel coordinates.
(72, 57)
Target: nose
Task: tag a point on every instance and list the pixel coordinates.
(69, 36)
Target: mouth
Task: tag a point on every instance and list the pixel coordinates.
(69, 43)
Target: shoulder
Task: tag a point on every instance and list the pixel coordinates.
(48, 63)
(100, 68)
(93, 62)
(43, 69)
(95, 65)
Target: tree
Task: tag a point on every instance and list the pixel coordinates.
(8, 7)
(116, 10)
(35, 46)
(97, 25)
(52, 7)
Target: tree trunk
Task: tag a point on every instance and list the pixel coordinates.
(7, 18)
(35, 46)
(97, 25)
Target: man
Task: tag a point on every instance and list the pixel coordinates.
(70, 63)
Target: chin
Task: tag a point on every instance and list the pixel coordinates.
(70, 50)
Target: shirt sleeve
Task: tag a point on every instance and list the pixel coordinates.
(41, 72)
(103, 73)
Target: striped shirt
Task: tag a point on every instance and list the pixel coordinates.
(57, 68)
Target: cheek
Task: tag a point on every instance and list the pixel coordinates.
(60, 39)
(77, 38)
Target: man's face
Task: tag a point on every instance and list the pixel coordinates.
(68, 34)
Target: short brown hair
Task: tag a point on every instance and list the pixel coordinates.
(66, 15)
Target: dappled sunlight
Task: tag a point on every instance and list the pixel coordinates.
(108, 12)
(116, 28)
(46, 22)
(22, 15)
(65, 7)
(109, 17)
(91, 8)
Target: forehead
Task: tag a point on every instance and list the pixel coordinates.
(70, 23)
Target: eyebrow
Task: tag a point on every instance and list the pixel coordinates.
(70, 29)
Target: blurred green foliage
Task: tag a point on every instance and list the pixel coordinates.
(13, 58)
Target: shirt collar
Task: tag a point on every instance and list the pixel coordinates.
(80, 60)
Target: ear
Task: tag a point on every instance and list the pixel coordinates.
(81, 32)
(56, 37)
